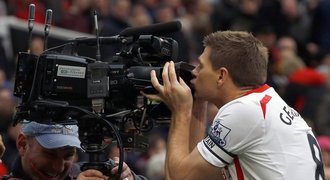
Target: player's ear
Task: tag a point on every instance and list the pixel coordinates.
(222, 75)
(21, 143)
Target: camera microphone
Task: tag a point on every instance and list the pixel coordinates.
(30, 24)
(155, 29)
(93, 41)
(98, 51)
(48, 22)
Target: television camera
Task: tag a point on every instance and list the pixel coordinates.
(102, 97)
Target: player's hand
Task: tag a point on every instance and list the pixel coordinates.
(175, 94)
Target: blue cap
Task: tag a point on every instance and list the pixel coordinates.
(54, 135)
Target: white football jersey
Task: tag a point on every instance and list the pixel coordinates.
(258, 136)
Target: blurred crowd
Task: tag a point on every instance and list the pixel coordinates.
(297, 33)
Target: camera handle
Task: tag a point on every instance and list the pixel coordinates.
(95, 148)
(104, 167)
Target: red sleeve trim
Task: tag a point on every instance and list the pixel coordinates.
(238, 168)
(263, 103)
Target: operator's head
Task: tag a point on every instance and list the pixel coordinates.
(229, 55)
(47, 151)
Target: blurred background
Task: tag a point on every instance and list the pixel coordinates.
(296, 32)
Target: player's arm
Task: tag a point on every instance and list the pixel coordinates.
(198, 123)
(180, 162)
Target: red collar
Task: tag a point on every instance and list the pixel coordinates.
(258, 90)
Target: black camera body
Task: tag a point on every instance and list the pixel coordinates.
(101, 95)
(59, 79)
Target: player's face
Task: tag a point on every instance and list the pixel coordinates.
(205, 78)
(41, 163)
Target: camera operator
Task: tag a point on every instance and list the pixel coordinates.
(48, 151)
(255, 134)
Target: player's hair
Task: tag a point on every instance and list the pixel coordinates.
(244, 56)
